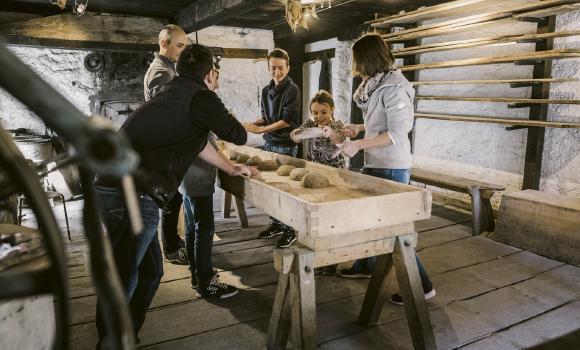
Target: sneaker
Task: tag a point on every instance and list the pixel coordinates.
(194, 278)
(217, 289)
(271, 231)
(397, 299)
(288, 237)
(178, 257)
(351, 273)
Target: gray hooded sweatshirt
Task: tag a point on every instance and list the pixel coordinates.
(390, 109)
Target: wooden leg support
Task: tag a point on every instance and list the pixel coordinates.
(481, 211)
(226, 204)
(376, 293)
(294, 308)
(241, 210)
(412, 293)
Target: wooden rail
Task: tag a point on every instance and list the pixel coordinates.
(470, 22)
(461, 44)
(494, 120)
(426, 12)
(499, 81)
(532, 56)
(497, 99)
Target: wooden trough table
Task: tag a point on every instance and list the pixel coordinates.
(357, 216)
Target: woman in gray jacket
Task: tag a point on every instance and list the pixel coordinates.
(385, 97)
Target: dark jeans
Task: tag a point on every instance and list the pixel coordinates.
(199, 230)
(169, 218)
(138, 258)
(291, 151)
(367, 265)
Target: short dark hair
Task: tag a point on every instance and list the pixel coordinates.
(371, 55)
(322, 97)
(195, 61)
(279, 53)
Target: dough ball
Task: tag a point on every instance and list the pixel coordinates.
(253, 161)
(285, 170)
(268, 165)
(233, 155)
(314, 180)
(242, 158)
(297, 174)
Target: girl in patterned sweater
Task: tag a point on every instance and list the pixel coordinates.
(321, 149)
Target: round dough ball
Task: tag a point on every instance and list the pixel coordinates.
(297, 174)
(314, 180)
(285, 170)
(268, 165)
(233, 155)
(242, 158)
(253, 161)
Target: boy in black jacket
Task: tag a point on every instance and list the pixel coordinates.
(281, 106)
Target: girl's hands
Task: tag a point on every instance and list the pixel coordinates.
(351, 130)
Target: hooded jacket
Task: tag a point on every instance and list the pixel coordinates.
(390, 110)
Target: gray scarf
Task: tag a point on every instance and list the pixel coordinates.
(365, 90)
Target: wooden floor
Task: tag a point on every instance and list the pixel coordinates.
(489, 295)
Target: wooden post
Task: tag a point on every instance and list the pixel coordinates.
(226, 204)
(241, 210)
(303, 302)
(412, 292)
(535, 141)
(279, 326)
(376, 293)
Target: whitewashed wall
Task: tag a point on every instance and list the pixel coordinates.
(62, 69)
(561, 164)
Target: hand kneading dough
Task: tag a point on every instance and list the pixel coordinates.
(314, 180)
(253, 161)
(242, 158)
(233, 155)
(297, 174)
(285, 170)
(268, 165)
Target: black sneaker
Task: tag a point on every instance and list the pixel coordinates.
(288, 237)
(194, 278)
(397, 299)
(271, 231)
(351, 273)
(217, 289)
(178, 257)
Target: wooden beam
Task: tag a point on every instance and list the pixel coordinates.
(425, 12)
(204, 13)
(532, 56)
(471, 22)
(499, 81)
(548, 12)
(460, 44)
(498, 99)
(317, 55)
(535, 136)
(494, 120)
(90, 31)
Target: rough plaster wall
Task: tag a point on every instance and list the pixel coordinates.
(561, 159)
(27, 323)
(241, 80)
(62, 69)
(341, 76)
(474, 150)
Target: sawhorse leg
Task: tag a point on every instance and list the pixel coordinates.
(226, 204)
(240, 208)
(294, 308)
(481, 211)
(411, 291)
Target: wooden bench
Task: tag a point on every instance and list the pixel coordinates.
(480, 193)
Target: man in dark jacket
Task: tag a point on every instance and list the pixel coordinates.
(281, 106)
(168, 132)
(172, 41)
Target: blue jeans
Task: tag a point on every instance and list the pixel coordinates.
(291, 151)
(137, 258)
(199, 230)
(367, 265)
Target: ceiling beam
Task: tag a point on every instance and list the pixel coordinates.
(205, 13)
